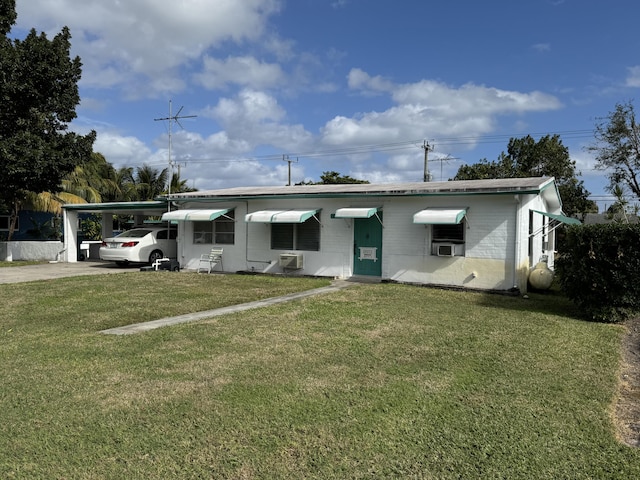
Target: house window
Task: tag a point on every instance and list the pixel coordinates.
(448, 239)
(221, 231)
(296, 236)
(5, 221)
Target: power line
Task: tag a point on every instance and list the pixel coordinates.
(393, 146)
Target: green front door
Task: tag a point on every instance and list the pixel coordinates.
(367, 246)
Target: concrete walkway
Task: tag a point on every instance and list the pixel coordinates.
(192, 317)
(50, 271)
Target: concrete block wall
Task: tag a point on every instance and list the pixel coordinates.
(25, 250)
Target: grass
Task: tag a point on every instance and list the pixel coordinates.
(19, 263)
(375, 381)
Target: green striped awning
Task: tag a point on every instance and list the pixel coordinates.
(280, 216)
(559, 218)
(356, 212)
(195, 215)
(440, 216)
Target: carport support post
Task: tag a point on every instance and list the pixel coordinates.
(107, 225)
(70, 252)
(138, 220)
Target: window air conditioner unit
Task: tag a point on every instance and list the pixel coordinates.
(290, 260)
(446, 250)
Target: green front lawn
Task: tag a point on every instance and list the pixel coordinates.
(19, 263)
(375, 381)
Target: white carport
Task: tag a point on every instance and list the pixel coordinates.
(139, 210)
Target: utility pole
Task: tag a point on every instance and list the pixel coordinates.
(286, 159)
(172, 118)
(427, 148)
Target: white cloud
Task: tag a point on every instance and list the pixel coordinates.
(542, 47)
(239, 172)
(379, 175)
(428, 109)
(258, 118)
(360, 80)
(246, 71)
(633, 79)
(470, 99)
(249, 105)
(120, 40)
(190, 146)
(122, 151)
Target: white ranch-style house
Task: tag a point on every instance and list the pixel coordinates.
(479, 234)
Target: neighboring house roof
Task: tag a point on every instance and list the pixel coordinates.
(464, 187)
(598, 218)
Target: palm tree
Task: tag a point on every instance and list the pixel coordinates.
(88, 182)
(79, 183)
(150, 182)
(179, 185)
(121, 185)
(50, 202)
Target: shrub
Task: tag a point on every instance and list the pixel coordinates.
(600, 270)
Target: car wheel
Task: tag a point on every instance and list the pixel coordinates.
(122, 264)
(155, 255)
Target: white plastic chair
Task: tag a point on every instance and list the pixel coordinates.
(209, 261)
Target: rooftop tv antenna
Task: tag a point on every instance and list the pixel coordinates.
(443, 160)
(172, 119)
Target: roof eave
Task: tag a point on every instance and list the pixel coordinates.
(505, 187)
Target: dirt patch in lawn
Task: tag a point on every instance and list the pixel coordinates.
(627, 409)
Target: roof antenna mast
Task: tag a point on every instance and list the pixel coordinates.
(172, 118)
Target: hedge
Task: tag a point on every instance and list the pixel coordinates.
(599, 270)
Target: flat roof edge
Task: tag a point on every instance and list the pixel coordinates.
(459, 187)
(117, 205)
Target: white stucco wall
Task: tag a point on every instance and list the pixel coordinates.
(27, 250)
(488, 262)
(496, 240)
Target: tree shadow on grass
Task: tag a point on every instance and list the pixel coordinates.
(548, 302)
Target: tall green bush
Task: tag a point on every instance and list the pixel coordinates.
(599, 270)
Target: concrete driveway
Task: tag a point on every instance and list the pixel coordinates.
(48, 271)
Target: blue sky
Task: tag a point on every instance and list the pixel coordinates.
(354, 86)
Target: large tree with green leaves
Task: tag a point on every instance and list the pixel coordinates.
(617, 148)
(39, 96)
(526, 157)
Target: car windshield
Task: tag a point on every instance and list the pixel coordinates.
(135, 233)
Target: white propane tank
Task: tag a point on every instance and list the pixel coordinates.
(541, 276)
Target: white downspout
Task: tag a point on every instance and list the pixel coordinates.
(516, 253)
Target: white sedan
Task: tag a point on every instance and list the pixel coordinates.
(140, 245)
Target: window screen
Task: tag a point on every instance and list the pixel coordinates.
(296, 236)
(220, 231)
(449, 233)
